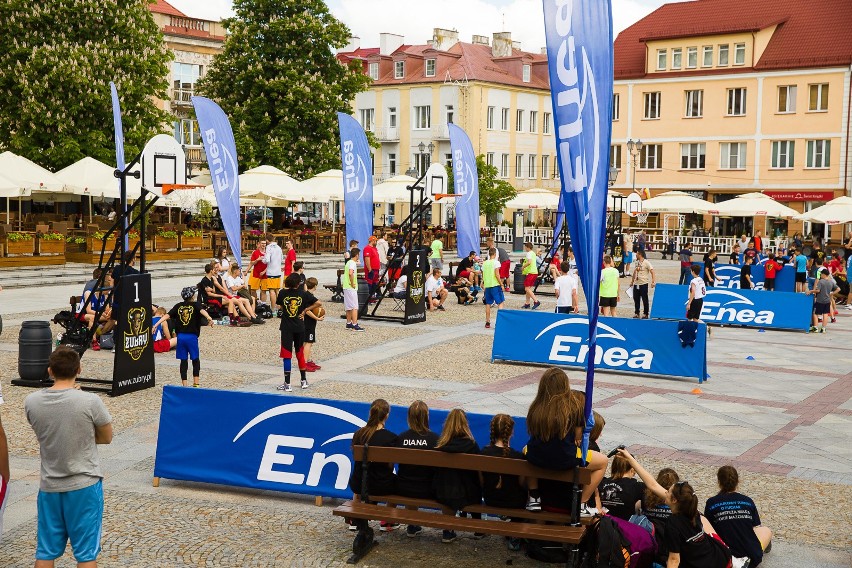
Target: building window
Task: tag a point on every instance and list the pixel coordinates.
(733, 156)
(723, 55)
(489, 119)
(449, 112)
(533, 121)
(489, 158)
(616, 103)
(818, 97)
(691, 57)
(787, 98)
(519, 121)
(392, 164)
(707, 56)
(184, 76)
(504, 165)
(739, 54)
(652, 105)
(392, 117)
(694, 104)
(545, 166)
(187, 132)
(373, 71)
(533, 159)
(662, 56)
(368, 119)
(651, 157)
(423, 161)
(737, 102)
(448, 161)
(545, 123)
(527, 73)
(615, 156)
(818, 154)
(692, 156)
(399, 69)
(519, 165)
(504, 119)
(783, 153)
(422, 117)
(430, 67)
(677, 58)
(555, 169)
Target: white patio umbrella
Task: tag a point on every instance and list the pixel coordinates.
(93, 178)
(535, 198)
(267, 185)
(752, 205)
(28, 176)
(835, 212)
(676, 202)
(9, 189)
(324, 187)
(393, 189)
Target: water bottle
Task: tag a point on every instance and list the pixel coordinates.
(57, 341)
(225, 321)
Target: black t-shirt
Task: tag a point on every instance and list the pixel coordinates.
(395, 255)
(818, 257)
(620, 496)
(293, 303)
(415, 480)
(735, 258)
(380, 479)
(187, 317)
(709, 271)
(659, 516)
(734, 517)
(203, 295)
(464, 264)
(688, 539)
(503, 490)
(745, 272)
(117, 273)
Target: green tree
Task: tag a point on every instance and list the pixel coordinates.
(57, 58)
(279, 81)
(493, 191)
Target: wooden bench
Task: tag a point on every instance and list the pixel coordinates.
(540, 525)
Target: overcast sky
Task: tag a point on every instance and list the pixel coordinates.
(415, 19)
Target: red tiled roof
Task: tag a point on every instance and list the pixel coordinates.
(163, 7)
(808, 35)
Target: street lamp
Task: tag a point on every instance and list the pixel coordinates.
(635, 149)
(613, 175)
(422, 152)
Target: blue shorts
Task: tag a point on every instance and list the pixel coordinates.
(628, 258)
(494, 296)
(75, 515)
(187, 346)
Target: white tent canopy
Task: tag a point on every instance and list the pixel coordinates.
(835, 212)
(28, 176)
(96, 179)
(676, 202)
(535, 198)
(10, 188)
(752, 205)
(323, 187)
(268, 183)
(393, 190)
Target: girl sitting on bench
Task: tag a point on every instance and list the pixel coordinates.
(457, 488)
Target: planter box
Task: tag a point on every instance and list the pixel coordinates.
(94, 245)
(20, 248)
(163, 245)
(191, 243)
(51, 248)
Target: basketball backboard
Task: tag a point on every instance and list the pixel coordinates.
(436, 180)
(163, 163)
(633, 204)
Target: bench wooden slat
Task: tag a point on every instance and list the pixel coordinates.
(556, 533)
(470, 462)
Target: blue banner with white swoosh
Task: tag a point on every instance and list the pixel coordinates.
(649, 347)
(750, 308)
(277, 442)
(728, 276)
(466, 190)
(357, 180)
(222, 160)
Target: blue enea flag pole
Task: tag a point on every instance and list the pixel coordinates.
(222, 160)
(579, 56)
(466, 190)
(357, 180)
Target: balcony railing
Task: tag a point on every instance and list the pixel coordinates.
(441, 132)
(189, 23)
(387, 133)
(182, 97)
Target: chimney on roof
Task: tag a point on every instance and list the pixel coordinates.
(543, 51)
(353, 45)
(443, 39)
(502, 44)
(388, 43)
(481, 40)
(516, 45)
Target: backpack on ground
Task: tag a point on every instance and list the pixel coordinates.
(264, 311)
(604, 546)
(641, 543)
(107, 341)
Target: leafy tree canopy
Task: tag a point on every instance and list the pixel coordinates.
(280, 83)
(57, 58)
(494, 192)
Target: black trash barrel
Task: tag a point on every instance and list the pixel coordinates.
(363, 297)
(35, 344)
(519, 278)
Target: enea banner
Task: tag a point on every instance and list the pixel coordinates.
(728, 276)
(271, 441)
(222, 160)
(750, 308)
(357, 180)
(466, 190)
(649, 347)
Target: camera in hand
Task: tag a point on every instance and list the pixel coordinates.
(615, 451)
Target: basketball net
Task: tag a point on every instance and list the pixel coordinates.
(184, 196)
(641, 218)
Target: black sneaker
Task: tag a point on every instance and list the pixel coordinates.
(448, 536)
(442, 308)
(413, 530)
(478, 536)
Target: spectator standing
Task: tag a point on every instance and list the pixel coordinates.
(751, 252)
(801, 262)
(396, 254)
(817, 259)
(643, 276)
(382, 246)
(69, 425)
(743, 242)
(349, 282)
(372, 265)
(530, 271)
(685, 257)
(822, 289)
(627, 253)
(257, 272)
(771, 268)
(436, 257)
(565, 287)
(710, 268)
(798, 241)
(609, 288)
(274, 258)
(289, 257)
(745, 273)
(757, 240)
(491, 282)
(641, 240)
(735, 255)
(222, 258)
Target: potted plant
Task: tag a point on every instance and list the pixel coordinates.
(96, 241)
(75, 243)
(190, 239)
(20, 244)
(132, 238)
(165, 240)
(51, 243)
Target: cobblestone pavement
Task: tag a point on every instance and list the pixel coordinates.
(784, 418)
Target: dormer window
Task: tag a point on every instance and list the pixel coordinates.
(373, 71)
(399, 69)
(430, 68)
(527, 72)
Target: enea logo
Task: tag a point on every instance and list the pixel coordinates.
(575, 349)
(724, 306)
(223, 165)
(464, 176)
(300, 455)
(729, 277)
(354, 170)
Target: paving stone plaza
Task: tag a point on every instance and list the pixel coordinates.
(783, 417)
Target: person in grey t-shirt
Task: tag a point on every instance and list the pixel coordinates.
(69, 424)
(822, 303)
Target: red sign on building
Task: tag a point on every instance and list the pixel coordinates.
(800, 195)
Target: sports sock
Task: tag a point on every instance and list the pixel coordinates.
(304, 375)
(184, 367)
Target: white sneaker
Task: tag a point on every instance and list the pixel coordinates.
(740, 562)
(285, 387)
(586, 511)
(304, 384)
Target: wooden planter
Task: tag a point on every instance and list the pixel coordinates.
(20, 248)
(162, 245)
(191, 243)
(94, 245)
(51, 248)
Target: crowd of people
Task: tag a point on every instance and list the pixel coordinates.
(729, 527)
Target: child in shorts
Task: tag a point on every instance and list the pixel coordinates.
(311, 326)
(491, 282)
(294, 303)
(187, 317)
(161, 334)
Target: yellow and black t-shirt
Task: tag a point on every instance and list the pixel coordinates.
(187, 317)
(292, 304)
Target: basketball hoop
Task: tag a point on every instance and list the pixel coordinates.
(183, 195)
(641, 218)
(440, 196)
